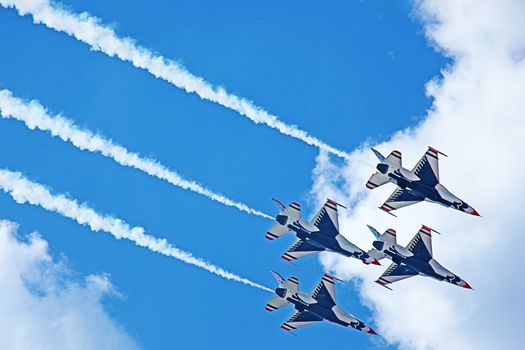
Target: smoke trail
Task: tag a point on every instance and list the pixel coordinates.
(91, 31)
(24, 191)
(34, 115)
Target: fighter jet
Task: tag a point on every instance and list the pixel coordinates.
(414, 259)
(422, 183)
(310, 308)
(321, 234)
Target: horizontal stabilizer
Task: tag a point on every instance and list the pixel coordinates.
(275, 303)
(276, 231)
(293, 211)
(376, 180)
(292, 284)
(394, 159)
(389, 236)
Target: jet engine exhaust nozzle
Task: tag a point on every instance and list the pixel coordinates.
(379, 245)
(281, 292)
(282, 219)
(382, 168)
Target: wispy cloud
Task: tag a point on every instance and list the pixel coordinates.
(35, 116)
(25, 191)
(88, 29)
(45, 305)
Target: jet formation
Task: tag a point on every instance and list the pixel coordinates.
(322, 233)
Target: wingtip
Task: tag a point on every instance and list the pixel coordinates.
(383, 284)
(386, 210)
(436, 151)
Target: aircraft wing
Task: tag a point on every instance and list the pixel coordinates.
(300, 319)
(395, 273)
(299, 249)
(421, 244)
(401, 198)
(427, 169)
(324, 292)
(275, 303)
(326, 219)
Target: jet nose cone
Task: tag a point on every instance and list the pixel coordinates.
(467, 286)
(474, 212)
(371, 331)
(376, 262)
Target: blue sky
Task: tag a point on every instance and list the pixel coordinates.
(345, 71)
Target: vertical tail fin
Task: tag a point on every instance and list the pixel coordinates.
(383, 241)
(378, 155)
(389, 236)
(394, 158)
(291, 284)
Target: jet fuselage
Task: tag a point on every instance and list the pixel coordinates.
(430, 268)
(437, 194)
(328, 242)
(322, 311)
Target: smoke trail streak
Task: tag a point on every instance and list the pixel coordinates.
(34, 115)
(90, 30)
(25, 191)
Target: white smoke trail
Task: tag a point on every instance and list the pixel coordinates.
(89, 30)
(25, 191)
(34, 115)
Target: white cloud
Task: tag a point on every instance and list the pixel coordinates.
(478, 118)
(45, 307)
